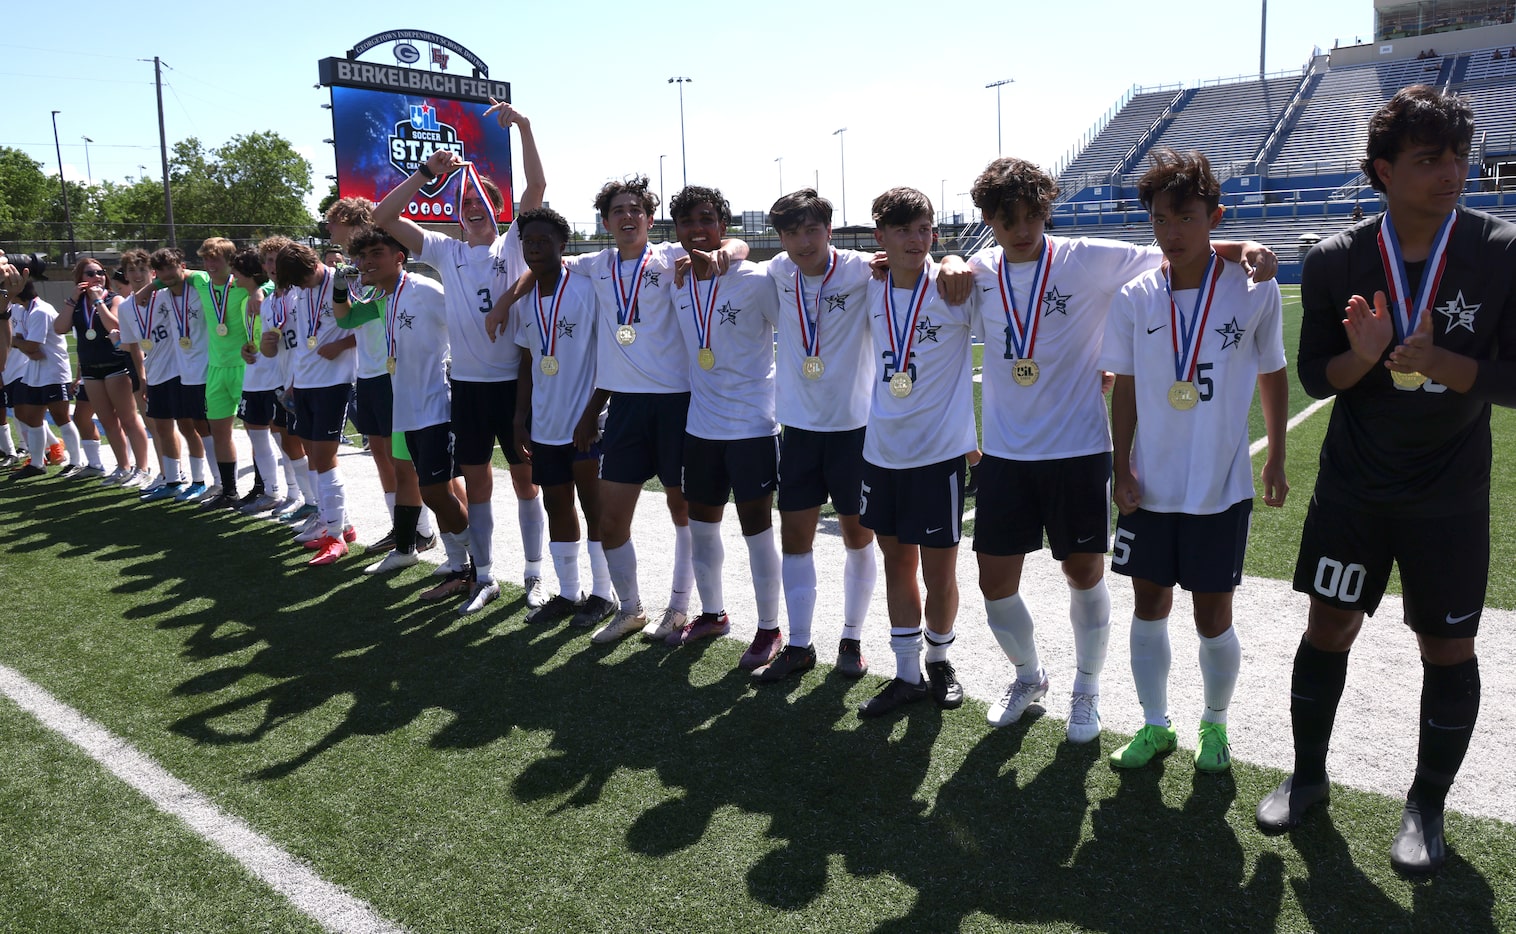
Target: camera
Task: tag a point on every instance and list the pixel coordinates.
(36, 263)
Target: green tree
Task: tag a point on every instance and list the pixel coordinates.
(23, 196)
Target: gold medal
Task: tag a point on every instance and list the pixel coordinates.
(625, 335)
(390, 365)
(1025, 372)
(310, 342)
(222, 330)
(91, 334)
(707, 358)
(900, 385)
(1408, 380)
(549, 366)
(184, 342)
(1182, 395)
(812, 368)
(145, 344)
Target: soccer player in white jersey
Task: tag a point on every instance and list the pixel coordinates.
(322, 370)
(43, 389)
(152, 357)
(279, 320)
(555, 327)
(648, 400)
(412, 315)
(181, 397)
(261, 379)
(921, 426)
(1047, 444)
(731, 448)
(475, 272)
(1188, 342)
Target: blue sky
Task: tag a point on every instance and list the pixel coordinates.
(771, 82)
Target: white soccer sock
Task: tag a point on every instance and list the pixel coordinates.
(706, 557)
(455, 547)
(799, 574)
(684, 570)
(533, 519)
(210, 459)
(1011, 624)
(7, 444)
(424, 526)
(906, 644)
(1151, 657)
(1220, 660)
(481, 540)
(937, 644)
(264, 460)
(566, 564)
(70, 441)
(92, 453)
(621, 565)
(333, 501)
(860, 571)
(1090, 613)
(173, 470)
(302, 481)
(49, 434)
(293, 471)
(389, 504)
(315, 490)
(36, 443)
(763, 562)
(600, 573)
(197, 469)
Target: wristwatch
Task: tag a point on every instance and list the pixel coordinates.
(426, 170)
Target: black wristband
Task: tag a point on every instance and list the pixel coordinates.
(5, 315)
(426, 170)
(339, 295)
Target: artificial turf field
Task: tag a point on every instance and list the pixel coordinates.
(478, 775)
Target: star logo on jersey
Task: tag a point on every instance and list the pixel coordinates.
(1056, 301)
(835, 302)
(1231, 334)
(728, 313)
(406, 319)
(926, 331)
(565, 329)
(497, 265)
(1460, 314)
(650, 278)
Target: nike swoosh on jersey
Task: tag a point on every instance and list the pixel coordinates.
(1455, 620)
(1157, 329)
(1081, 541)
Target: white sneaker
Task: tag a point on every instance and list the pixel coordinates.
(1014, 701)
(445, 569)
(312, 530)
(1084, 717)
(621, 625)
(393, 561)
(115, 477)
(672, 621)
(209, 494)
(151, 482)
(536, 593)
(480, 596)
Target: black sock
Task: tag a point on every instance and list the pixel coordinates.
(228, 471)
(1449, 708)
(1315, 688)
(257, 489)
(406, 518)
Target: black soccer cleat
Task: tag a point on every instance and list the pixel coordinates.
(946, 690)
(1286, 806)
(895, 694)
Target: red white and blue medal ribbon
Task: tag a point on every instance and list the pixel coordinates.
(1406, 310)
(547, 318)
(470, 180)
(391, 315)
(810, 317)
(1021, 326)
(219, 305)
(1187, 335)
(903, 335)
(703, 312)
(281, 308)
(313, 301)
(144, 320)
(180, 312)
(89, 317)
(626, 299)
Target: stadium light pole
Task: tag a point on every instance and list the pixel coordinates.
(997, 85)
(661, 157)
(68, 215)
(780, 160)
(683, 156)
(842, 152)
(89, 173)
(942, 203)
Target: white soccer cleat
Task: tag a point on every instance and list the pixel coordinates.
(1014, 702)
(623, 624)
(394, 561)
(481, 595)
(536, 593)
(672, 621)
(1084, 717)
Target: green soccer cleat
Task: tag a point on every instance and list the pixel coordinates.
(1213, 753)
(1149, 743)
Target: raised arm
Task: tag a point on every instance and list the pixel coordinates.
(387, 212)
(531, 162)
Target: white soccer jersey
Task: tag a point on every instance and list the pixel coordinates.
(935, 421)
(1196, 461)
(159, 361)
(185, 319)
(653, 362)
(1063, 413)
(15, 361)
(372, 358)
(837, 307)
(473, 277)
(278, 314)
(53, 368)
(559, 400)
(264, 373)
(734, 399)
(312, 316)
(419, 321)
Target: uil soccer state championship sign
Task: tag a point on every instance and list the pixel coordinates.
(388, 119)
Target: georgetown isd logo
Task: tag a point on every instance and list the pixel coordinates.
(414, 141)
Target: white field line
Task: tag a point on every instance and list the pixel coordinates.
(325, 903)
